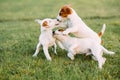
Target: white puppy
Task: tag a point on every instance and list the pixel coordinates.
(84, 45)
(76, 26)
(46, 39)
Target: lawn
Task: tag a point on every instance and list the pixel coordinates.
(19, 36)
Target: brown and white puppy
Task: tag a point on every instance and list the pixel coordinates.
(82, 46)
(46, 37)
(76, 26)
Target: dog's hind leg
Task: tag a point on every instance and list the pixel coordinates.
(45, 49)
(98, 55)
(37, 49)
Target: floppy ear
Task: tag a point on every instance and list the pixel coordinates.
(38, 21)
(65, 11)
(45, 23)
(68, 10)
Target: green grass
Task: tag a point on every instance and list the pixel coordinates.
(19, 36)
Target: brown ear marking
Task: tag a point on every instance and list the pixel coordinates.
(100, 34)
(61, 30)
(45, 23)
(65, 11)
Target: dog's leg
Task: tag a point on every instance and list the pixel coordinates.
(98, 55)
(55, 46)
(101, 61)
(60, 44)
(94, 58)
(71, 56)
(71, 53)
(45, 49)
(37, 49)
(88, 53)
(69, 30)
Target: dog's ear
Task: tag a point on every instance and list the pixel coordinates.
(45, 23)
(68, 10)
(38, 21)
(65, 11)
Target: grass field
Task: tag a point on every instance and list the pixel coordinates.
(19, 36)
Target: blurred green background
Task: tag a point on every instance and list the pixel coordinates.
(19, 36)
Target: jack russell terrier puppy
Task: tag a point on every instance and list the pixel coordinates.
(81, 45)
(46, 38)
(76, 26)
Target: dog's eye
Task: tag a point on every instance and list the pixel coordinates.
(61, 30)
(60, 13)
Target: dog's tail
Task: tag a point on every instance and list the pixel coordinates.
(102, 31)
(106, 51)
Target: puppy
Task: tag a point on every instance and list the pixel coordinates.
(46, 39)
(76, 26)
(82, 45)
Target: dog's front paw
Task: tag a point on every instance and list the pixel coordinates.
(55, 52)
(49, 59)
(70, 56)
(34, 55)
(112, 53)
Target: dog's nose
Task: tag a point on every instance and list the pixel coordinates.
(53, 32)
(58, 20)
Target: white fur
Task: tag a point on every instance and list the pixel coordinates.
(84, 45)
(76, 26)
(46, 39)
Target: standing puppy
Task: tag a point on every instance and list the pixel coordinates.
(76, 26)
(46, 39)
(82, 45)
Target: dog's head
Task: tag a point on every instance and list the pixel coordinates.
(64, 12)
(47, 23)
(58, 34)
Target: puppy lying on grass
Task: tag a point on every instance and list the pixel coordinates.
(46, 38)
(84, 45)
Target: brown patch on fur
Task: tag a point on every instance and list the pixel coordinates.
(65, 11)
(100, 34)
(45, 24)
(61, 30)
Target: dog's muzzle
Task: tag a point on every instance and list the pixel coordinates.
(59, 20)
